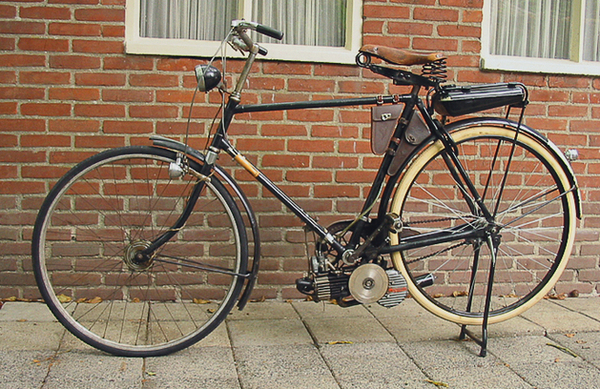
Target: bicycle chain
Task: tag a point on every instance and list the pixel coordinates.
(437, 221)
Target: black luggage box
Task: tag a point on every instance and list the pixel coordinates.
(460, 100)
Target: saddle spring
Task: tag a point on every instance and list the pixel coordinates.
(436, 70)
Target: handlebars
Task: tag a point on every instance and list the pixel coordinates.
(240, 25)
(246, 43)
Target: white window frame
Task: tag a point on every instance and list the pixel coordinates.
(574, 65)
(134, 44)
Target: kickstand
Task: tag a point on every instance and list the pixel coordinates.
(464, 332)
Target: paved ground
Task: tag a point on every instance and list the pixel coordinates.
(307, 345)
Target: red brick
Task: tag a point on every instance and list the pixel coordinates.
(74, 62)
(45, 140)
(260, 144)
(8, 77)
(22, 156)
(309, 176)
(128, 63)
(311, 85)
(157, 80)
(41, 44)
(74, 29)
(99, 110)
(459, 30)
(100, 15)
(177, 64)
(113, 31)
(311, 115)
(8, 108)
(287, 68)
(313, 146)
(354, 176)
(77, 94)
(7, 140)
(174, 96)
(100, 47)
(153, 111)
(285, 160)
(21, 60)
(283, 130)
(410, 28)
(101, 142)
(119, 127)
(20, 93)
(54, 78)
(444, 45)
(437, 14)
(131, 95)
(462, 3)
(268, 83)
(8, 11)
(46, 109)
(100, 79)
(22, 125)
(368, 87)
(43, 172)
(336, 191)
(335, 162)
(73, 125)
(386, 12)
(7, 44)
(22, 28)
(46, 13)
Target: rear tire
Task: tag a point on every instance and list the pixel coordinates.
(534, 213)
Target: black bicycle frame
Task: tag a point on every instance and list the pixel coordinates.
(412, 103)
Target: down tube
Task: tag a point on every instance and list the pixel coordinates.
(285, 199)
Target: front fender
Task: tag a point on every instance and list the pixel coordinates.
(171, 144)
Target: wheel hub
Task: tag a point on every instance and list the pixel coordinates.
(135, 258)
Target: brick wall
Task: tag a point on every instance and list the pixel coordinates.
(67, 90)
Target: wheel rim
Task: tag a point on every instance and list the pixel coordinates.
(523, 219)
(100, 286)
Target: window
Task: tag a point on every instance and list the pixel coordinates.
(549, 36)
(314, 30)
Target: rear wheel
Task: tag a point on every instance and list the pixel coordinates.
(88, 253)
(532, 203)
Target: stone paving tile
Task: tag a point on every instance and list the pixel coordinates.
(556, 318)
(459, 365)
(543, 365)
(202, 367)
(268, 332)
(94, 370)
(283, 367)
(351, 329)
(24, 369)
(587, 306)
(584, 344)
(373, 365)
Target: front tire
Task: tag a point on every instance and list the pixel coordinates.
(100, 216)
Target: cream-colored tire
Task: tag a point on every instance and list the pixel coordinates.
(535, 219)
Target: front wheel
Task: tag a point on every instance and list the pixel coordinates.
(87, 244)
(529, 195)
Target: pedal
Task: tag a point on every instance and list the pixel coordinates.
(397, 289)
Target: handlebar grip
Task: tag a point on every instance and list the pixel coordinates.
(266, 30)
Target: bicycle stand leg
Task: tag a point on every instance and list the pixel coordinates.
(488, 300)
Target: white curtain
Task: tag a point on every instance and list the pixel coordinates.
(531, 28)
(304, 22)
(187, 19)
(591, 34)
(542, 28)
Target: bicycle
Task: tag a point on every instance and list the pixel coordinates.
(144, 250)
